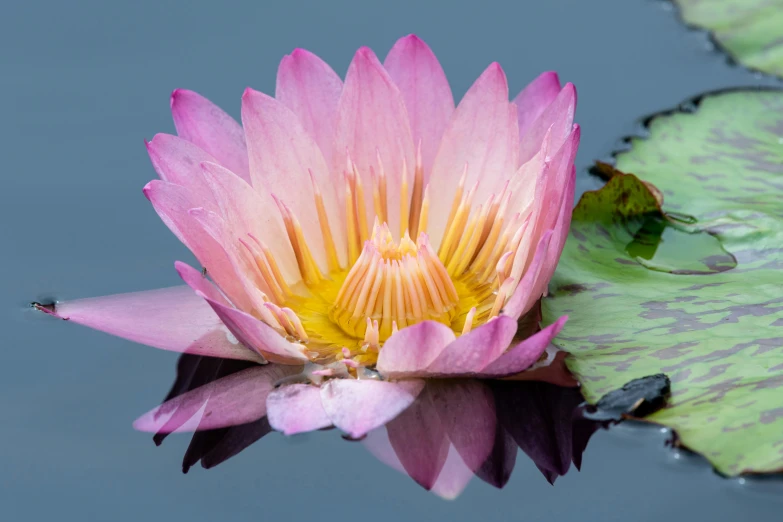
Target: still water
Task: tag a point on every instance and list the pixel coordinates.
(84, 82)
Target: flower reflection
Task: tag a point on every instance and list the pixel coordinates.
(455, 429)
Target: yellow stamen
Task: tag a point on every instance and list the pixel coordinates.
(416, 197)
(404, 199)
(326, 232)
(469, 321)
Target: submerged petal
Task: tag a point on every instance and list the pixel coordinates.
(359, 406)
(174, 319)
(296, 408)
(203, 123)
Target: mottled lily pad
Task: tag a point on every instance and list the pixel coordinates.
(751, 31)
(717, 332)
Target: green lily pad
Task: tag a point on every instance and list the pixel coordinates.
(751, 31)
(709, 312)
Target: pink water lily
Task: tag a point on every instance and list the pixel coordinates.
(363, 235)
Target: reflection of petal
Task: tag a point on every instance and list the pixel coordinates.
(216, 446)
(496, 470)
(419, 440)
(296, 408)
(540, 417)
(466, 410)
(236, 399)
(359, 406)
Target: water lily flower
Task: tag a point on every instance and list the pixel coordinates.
(363, 236)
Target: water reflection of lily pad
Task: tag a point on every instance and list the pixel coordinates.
(751, 31)
(718, 336)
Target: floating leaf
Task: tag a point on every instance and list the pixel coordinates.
(717, 332)
(751, 31)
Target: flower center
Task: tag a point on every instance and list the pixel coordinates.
(393, 285)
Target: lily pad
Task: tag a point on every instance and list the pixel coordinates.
(717, 334)
(751, 31)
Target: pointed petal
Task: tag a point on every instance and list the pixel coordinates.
(246, 210)
(454, 477)
(529, 290)
(372, 119)
(235, 441)
(198, 281)
(560, 233)
(236, 399)
(296, 408)
(282, 154)
(483, 135)
(203, 123)
(471, 352)
(466, 410)
(535, 98)
(497, 469)
(177, 160)
(526, 353)
(414, 348)
(311, 89)
(559, 115)
(359, 406)
(420, 441)
(424, 87)
(552, 370)
(172, 319)
(172, 203)
(258, 335)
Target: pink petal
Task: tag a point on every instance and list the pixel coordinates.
(420, 441)
(200, 121)
(534, 99)
(466, 409)
(172, 203)
(172, 319)
(282, 156)
(560, 233)
(372, 119)
(248, 211)
(311, 89)
(296, 408)
(360, 406)
(177, 160)
(198, 281)
(424, 87)
(559, 115)
(237, 399)
(414, 348)
(529, 290)
(483, 135)
(526, 353)
(471, 352)
(556, 372)
(258, 335)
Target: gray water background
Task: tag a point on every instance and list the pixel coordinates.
(83, 82)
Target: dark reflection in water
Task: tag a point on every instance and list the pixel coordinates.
(441, 441)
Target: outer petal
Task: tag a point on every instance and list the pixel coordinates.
(173, 319)
(257, 335)
(236, 399)
(311, 89)
(282, 156)
(372, 120)
(525, 354)
(483, 135)
(424, 87)
(560, 233)
(196, 280)
(296, 408)
(360, 406)
(200, 121)
(534, 99)
(470, 353)
(177, 160)
(172, 203)
(559, 116)
(529, 290)
(414, 348)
